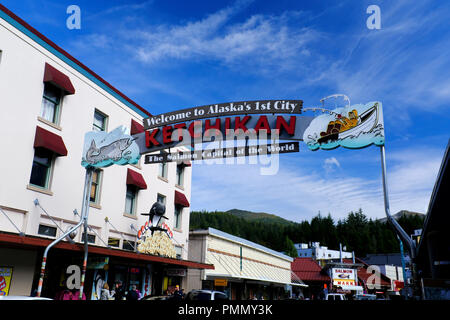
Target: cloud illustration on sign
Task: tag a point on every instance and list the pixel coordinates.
(102, 149)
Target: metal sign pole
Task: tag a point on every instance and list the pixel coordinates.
(85, 214)
(87, 186)
(402, 235)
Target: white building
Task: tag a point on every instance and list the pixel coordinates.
(243, 269)
(320, 253)
(49, 101)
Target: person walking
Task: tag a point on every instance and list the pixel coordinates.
(177, 295)
(118, 291)
(133, 294)
(105, 293)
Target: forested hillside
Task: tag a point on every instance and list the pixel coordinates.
(356, 231)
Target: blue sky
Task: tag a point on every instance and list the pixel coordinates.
(169, 55)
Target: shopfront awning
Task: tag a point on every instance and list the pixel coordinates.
(181, 199)
(136, 127)
(58, 78)
(253, 270)
(50, 141)
(135, 179)
(18, 241)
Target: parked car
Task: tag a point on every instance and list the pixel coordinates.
(335, 296)
(206, 295)
(365, 296)
(156, 298)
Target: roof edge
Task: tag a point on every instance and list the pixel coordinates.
(39, 38)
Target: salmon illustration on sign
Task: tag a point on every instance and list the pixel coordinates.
(102, 149)
(352, 127)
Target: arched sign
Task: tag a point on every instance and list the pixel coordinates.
(353, 127)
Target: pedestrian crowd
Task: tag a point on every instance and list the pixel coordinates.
(117, 293)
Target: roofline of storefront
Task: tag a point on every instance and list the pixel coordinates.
(38, 242)
(229, 237)
(53, 48)
(231, 278)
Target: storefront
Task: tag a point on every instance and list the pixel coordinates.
(242, 269)
(149, 273)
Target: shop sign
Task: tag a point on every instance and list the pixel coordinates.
(176, 272)
(97, 262)
(220, 282)
(343, 277)
(5, 280)
(158, 243)
(142, 231)
(103, 149)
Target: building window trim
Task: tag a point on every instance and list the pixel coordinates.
(163, 174)
(104, 127)
(98, 191)
(56, 104)
(48, 175)
(134, 192)
(158, 195)
(48, 226)
(178, 218)
(180, 177)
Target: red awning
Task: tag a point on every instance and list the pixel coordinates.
(50, 141)
(136, 127)
(58, 78)
(180, 199)
(136, 179)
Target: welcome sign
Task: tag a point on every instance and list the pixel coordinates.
(224, 109)
(353, 127)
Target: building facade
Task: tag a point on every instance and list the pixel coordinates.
(242, 269)
(320, 253)
(50, 100)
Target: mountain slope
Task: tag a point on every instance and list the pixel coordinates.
(258, 216)
(404, 213)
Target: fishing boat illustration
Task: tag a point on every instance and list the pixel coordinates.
(344, 127)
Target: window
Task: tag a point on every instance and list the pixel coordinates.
(114, 242)
(90, 238)
(180, 175)
(161, 199)
(128, 245)
(178, 251)
(41, 170)
(51, 103)
(47, 231)
(100, 120)
(95, 187)
(163, 170)
(130, 200)
(177, 216)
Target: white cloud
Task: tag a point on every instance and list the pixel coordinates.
(297, 193)
(264, 40)
(330, 164)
